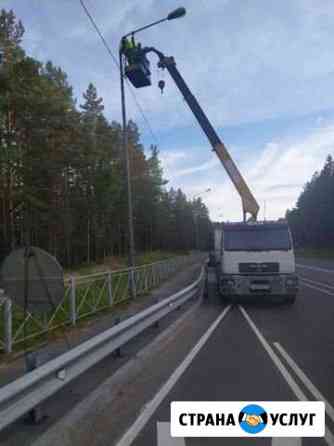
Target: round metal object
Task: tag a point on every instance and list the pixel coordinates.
(35, 276)
(161, 85)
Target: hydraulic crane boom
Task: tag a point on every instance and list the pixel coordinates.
(249, 204)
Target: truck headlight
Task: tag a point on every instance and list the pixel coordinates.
(291, 282)
(228, 283)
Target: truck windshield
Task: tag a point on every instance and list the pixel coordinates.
(257, 239)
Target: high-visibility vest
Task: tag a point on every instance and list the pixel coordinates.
(127, 45)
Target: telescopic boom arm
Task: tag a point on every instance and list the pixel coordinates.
(249, 204)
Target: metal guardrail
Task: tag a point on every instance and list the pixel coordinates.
(84, 296)
(25, 393)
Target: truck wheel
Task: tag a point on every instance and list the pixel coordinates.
(290, 299)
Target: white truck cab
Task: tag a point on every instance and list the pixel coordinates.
(256, 259)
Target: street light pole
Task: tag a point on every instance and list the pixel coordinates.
(131, 254)
(177, 13)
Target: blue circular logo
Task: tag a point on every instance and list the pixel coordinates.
(253, 419)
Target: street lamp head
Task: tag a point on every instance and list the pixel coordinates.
(177, 13)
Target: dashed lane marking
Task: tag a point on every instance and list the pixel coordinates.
(286, 442)
(164, 437)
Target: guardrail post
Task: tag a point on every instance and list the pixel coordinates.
(34, 360)
(132, 283)
(159, 273)
(73, 312)
(151, 281)
(8, 326)
(141, 280)
(146, 274)
(153, 276)
(109, 285)
(156, 280)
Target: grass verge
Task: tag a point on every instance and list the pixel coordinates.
(315, 253)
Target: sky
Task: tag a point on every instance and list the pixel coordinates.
(263, 71)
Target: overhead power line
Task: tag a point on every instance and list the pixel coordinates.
(99, 33)
(114, 59)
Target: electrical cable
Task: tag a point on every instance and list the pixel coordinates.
(97, 29)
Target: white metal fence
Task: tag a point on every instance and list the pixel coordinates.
(83, 297)
(26, 392)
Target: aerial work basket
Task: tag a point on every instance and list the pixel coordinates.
(137, 68)
(139, 73)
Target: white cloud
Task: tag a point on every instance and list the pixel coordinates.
(206, 166)
(275, 177)
(170, 159)
(245, 62)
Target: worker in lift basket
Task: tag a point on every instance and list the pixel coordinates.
(130, 49)
(133, 53)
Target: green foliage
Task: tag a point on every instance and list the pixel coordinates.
(62, 178)
(312, 219)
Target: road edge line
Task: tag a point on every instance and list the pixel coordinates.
(316, 288)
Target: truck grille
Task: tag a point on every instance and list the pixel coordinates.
(256, 268)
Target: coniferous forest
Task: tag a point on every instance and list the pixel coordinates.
(312, 219)
(62, 182)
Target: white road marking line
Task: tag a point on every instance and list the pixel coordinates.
(164, 437)
(286, 442)
(326, 285)
(315, 268)
(276, 360)
(329, 438)
(151, 406)
(305, 380)
(317, 288)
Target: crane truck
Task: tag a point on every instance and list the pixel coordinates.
(252, 258)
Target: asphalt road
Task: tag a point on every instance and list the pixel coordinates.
(246, 356)
(210, 351)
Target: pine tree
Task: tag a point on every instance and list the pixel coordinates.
(312, 220)
(62, 176)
